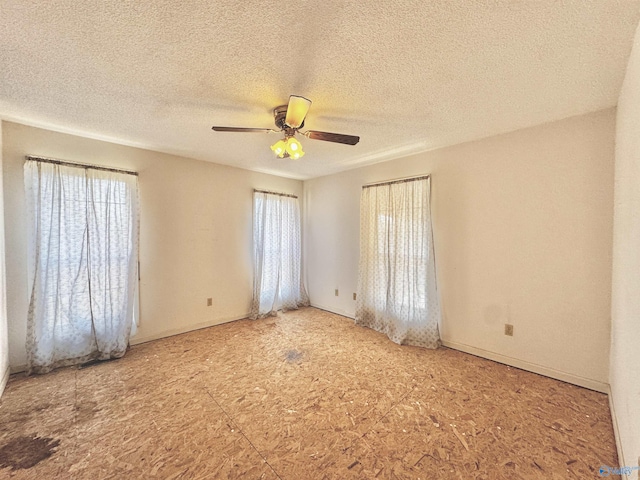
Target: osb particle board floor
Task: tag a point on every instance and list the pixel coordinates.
(305, 395)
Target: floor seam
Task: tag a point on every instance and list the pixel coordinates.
(370, 429)
(243, 434)
(391, 408)
(76, 442)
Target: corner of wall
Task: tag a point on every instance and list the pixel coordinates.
(624, 370)
(616, 432)
(5, 379)
(4, 334)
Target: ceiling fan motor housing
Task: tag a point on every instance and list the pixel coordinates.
(279, 114)
(296, 111)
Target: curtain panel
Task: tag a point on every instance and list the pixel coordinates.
(83, 254)
(397, 292)
(277, 247)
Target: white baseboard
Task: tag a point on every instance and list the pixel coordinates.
(616, 432)
(17, 369)
(530, 367)
(497, 357)
(513, 362)
(333, 310)
(5, 379)
(164, 334)
(188, 328)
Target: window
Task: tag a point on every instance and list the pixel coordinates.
(277, 254)
(396, 289)
(84, 250)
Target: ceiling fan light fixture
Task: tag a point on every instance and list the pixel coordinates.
(279, 148)
(297, 111)
(294, 148)
(289, 119)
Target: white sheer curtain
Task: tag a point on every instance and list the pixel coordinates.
(277, 282)
(397, 283)
(83, 246)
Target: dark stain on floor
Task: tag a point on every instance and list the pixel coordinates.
(293, 356)
(23, 416)
(26, 452)
(86, 410)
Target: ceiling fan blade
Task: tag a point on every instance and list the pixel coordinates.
(333, 137)
(297, 111)
(239, 129)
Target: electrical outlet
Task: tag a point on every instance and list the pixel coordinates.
(354, 296)
(336, 292)
(209, 302)
(508, 329)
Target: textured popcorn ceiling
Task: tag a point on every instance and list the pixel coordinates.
(406, 76)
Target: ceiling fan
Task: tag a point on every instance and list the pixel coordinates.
(290, 119)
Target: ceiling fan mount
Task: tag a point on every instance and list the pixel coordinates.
(290, 119)
(280, 115)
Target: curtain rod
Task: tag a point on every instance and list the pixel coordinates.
(275, 193)
(399, 180)
(78, 165)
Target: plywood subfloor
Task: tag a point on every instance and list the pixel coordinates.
(306, 395)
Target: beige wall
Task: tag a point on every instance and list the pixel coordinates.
(196, 231)
(4, 337)
(523, 235)
(625, 308)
